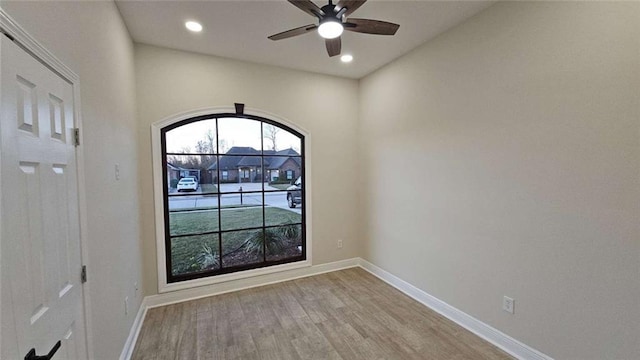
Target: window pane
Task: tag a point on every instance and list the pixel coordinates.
(194, 167)
(283, 169)
(237, 216)
(192, 254)
(287, 242)
(278, 139)
(240, 200)
(242, 247)
(239, 136)
(238, 171)
(182, 222)
(194, 138)
(277, 209)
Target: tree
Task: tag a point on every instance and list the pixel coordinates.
(208, 144)
(271, 133)
(222, 146)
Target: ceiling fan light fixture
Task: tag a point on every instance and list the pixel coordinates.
(330, 28)
(193, 26)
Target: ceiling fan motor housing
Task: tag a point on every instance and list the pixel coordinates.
(330, 13)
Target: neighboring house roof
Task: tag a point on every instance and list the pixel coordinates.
(172, 167)
(277, 162)
(250, 161)
(178, 168)
(288, 151)
(242, 150)
(273, 159)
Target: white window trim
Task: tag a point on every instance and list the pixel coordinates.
(158, 190)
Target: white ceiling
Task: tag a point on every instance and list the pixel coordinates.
(238, 29)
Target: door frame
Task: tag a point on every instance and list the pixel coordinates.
(27, 42)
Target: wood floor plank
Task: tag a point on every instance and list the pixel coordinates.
(348, 314)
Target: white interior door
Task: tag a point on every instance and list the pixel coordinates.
(41, 296)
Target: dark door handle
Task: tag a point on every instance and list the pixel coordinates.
(31, 355)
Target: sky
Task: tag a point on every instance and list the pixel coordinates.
(233, 132)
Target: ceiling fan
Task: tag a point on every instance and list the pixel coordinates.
(333, 20)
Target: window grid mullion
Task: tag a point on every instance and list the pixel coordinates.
(264, 231)
(219, 196)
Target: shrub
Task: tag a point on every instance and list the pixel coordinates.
(209, 257)
(283, 181)
(289, 232)
(257, 241)
(210, 188)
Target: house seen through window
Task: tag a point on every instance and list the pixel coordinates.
(233, 195)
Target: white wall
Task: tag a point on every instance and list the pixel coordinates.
(515, 147)
(501, 158)
(171, 82)
(91, 39)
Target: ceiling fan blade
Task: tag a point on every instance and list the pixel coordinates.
(334, 46)
(293, 32)
(308, 7)
(351, 5)
(369, 26)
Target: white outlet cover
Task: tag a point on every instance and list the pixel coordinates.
(508, 304)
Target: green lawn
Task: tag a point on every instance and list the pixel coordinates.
(192, 253)
(280, 186)
(208, 188)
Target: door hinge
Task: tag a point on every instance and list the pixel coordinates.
(76, 136)
(83, 274)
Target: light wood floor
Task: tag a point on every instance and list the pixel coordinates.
(348, 314)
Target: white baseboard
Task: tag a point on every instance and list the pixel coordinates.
(129, 345)
(506, 343)
(499, 339)
(234, 285)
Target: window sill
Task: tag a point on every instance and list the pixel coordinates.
(164, 288)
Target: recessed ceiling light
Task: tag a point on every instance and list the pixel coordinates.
(193, 26)
(346, 58)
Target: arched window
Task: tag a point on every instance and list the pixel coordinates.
(234, 196)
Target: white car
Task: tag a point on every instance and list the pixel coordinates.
(188, 183)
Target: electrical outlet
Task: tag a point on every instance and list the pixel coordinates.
(508, 304)
(339, 243)
(126, 305)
